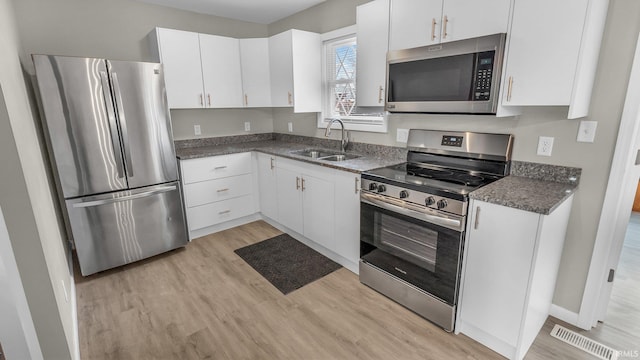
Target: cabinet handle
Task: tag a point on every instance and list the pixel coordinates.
(209, 99)
(219, 167)
(477, 222)
(380, 95)
(224, 212)
(509, 88)
(222, 190)
(201, 100)
(433, 29)
(356, 183)
(271, 163)
(303, 188)
(246, 100)
(444, 32)
(289, 98)
(297, 183)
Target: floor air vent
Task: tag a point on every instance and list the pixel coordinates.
(584, 343)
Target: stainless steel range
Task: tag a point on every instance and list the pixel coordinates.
(413, 217)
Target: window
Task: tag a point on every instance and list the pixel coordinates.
(339, 88)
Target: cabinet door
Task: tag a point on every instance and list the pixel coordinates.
(463, 19)
(347, 215)
(414, 23)
(267, 185)
(373, 40)
(318, 206)
(307, 71)
(281, 65)
(289, 184)
(256, 80)
(221, 71)
(180, 54)
(500, 244)
(541, 60)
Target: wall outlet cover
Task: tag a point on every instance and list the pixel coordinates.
(290, 126)
(545, 145)
(247, 126)
(587, 131)
(402, 135)
(196, 130)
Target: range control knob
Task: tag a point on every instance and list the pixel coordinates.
(404, 194)
(430, 201)
(373, 186)
(382, 188)
(442, 204)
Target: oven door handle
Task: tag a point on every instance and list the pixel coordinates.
(447, 221)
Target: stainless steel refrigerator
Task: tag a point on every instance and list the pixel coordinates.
(108, 132)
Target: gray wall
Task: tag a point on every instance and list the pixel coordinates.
(623, 25)
(118, 29)
(25, 197)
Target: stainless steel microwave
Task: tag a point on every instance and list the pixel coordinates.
(455, 77)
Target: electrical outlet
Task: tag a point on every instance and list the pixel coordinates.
(545, 145)
(587, 131)
(196, 130)
(247, 126)
(290, 126)
(402, 135)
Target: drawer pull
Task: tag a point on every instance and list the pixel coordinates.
(303, 188)
(297, 183)
(380, 91)
(222, 190)
(477, 222)
(433, 29)
(224, 212)
(209, 99)
(272, 163)
(357, 187)
(219, 167)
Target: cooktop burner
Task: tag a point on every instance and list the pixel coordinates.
(452, 176)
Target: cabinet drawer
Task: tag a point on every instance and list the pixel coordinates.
(209, 191)
(218, 212)
(215, 167)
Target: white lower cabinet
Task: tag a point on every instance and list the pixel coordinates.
(511, 262)
(289, 197)
(347, 215)
(267, 185)
(217, 189)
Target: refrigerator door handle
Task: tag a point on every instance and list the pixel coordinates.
(106, 93)
(123, 123)
(124, 198)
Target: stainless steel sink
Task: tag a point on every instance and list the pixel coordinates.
(322, 154)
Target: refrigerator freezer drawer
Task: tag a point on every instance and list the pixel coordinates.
(119, 228)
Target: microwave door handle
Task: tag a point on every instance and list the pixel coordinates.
(113, 127)
(123, 123)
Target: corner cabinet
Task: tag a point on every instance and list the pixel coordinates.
(561, 70)
(426, 22)
(510, 266)
(256, 77)
(295, 58)
(373, 38)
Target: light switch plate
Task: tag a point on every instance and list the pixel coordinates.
(290, 126)
(402, 135)
(196, 130)
(247, 126)
(587, 131)
(545, 145)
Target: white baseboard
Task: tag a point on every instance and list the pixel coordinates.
(223, 226)
(564, 314)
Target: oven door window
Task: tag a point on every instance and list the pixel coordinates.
(420, 253)
(440, 79)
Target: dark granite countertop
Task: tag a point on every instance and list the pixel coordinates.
(366, 161)
(531, 187)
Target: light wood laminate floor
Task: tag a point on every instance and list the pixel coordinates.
(204, 302)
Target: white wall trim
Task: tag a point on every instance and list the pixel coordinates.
(564, 314)
(616, 206)
(345, 31)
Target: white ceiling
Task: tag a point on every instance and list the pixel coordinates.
(256, 11)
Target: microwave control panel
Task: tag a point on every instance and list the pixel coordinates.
(484, 74)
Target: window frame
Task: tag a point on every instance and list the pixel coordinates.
(351, 122)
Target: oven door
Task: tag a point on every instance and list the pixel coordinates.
(405, 244)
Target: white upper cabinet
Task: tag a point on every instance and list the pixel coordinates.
(221, 72)
(553, 63)
(373, 39)
(256, 77)
(295, 62)
(425, 22)
(179, 52)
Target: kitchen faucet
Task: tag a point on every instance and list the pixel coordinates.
(344, 140)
